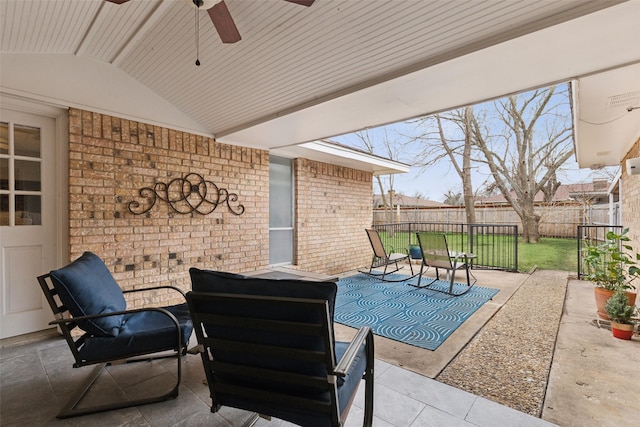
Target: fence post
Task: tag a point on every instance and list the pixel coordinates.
(515, 240)
(579, 251)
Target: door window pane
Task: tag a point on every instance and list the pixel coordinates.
(27, 175)
(28, 210)
(4, 209)
(4, 174)
(4, 138)
(27, 141)
(20, 175)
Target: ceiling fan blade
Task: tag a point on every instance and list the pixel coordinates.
(302, 2)
(224, 24)
(117, 1)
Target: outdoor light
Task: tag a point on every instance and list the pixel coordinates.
(202, 4)
(633, 166)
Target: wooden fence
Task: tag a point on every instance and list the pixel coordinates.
(558, 220)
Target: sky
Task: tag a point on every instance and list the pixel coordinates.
(435, 181)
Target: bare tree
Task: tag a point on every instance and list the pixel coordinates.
(529, 140)
(449, 143)
(390, 149)
(419, 196)
(453, 198)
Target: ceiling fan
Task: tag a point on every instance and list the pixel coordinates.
(221, 18)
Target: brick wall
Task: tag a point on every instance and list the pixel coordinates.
(333, 209)
(111, 159)
(630, 189)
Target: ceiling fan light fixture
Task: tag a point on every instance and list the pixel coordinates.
(203, 4)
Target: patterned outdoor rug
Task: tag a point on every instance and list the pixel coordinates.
(420, 317)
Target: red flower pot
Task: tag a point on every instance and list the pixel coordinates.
(622, 331)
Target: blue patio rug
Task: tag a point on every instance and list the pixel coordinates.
(419, 317)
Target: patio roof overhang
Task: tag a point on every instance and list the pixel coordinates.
(303, 74)
(606, 116)
(338, 154)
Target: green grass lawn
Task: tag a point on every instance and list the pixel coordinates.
(548, 254)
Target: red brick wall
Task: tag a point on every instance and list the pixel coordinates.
(111, 159)
(334, 206)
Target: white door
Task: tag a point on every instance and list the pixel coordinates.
(27, 219)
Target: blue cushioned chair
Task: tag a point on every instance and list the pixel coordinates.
(268, 347)
(84, 295)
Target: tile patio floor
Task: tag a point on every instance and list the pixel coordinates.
(36, 378)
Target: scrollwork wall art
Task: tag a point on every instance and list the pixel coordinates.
(186, 195)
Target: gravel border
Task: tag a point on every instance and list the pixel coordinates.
(509, 360)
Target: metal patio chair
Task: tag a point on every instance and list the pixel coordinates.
(384, 258)
(436, 254)
(268, 347)
(85, 298)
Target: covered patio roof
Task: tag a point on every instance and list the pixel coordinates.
(301, 74)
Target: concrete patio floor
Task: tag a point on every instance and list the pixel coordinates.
(588, 386)
(37, 378)
(594, 378)
(431, 363)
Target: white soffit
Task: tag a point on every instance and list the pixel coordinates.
(555, 54)
(605, 129)
(337, 154)
(290, 57)
(86, 89)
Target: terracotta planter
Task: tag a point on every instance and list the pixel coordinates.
(602, 295)
(621, 330)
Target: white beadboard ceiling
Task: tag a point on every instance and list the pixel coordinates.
(304, 73)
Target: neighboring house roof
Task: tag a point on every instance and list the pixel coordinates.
(407, 201)
(594, 191)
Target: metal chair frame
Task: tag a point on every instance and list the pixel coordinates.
(439, 257)
(229, 378)
(384, 258)
(66, 324)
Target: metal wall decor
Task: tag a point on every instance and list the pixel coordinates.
(186, 195)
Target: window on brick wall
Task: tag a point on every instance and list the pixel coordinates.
(280, 211)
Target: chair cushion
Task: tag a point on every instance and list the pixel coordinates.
(86, 287)
(141, 333)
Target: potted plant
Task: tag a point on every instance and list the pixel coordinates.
(612, 267)
(415, 252)
(620, 313)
